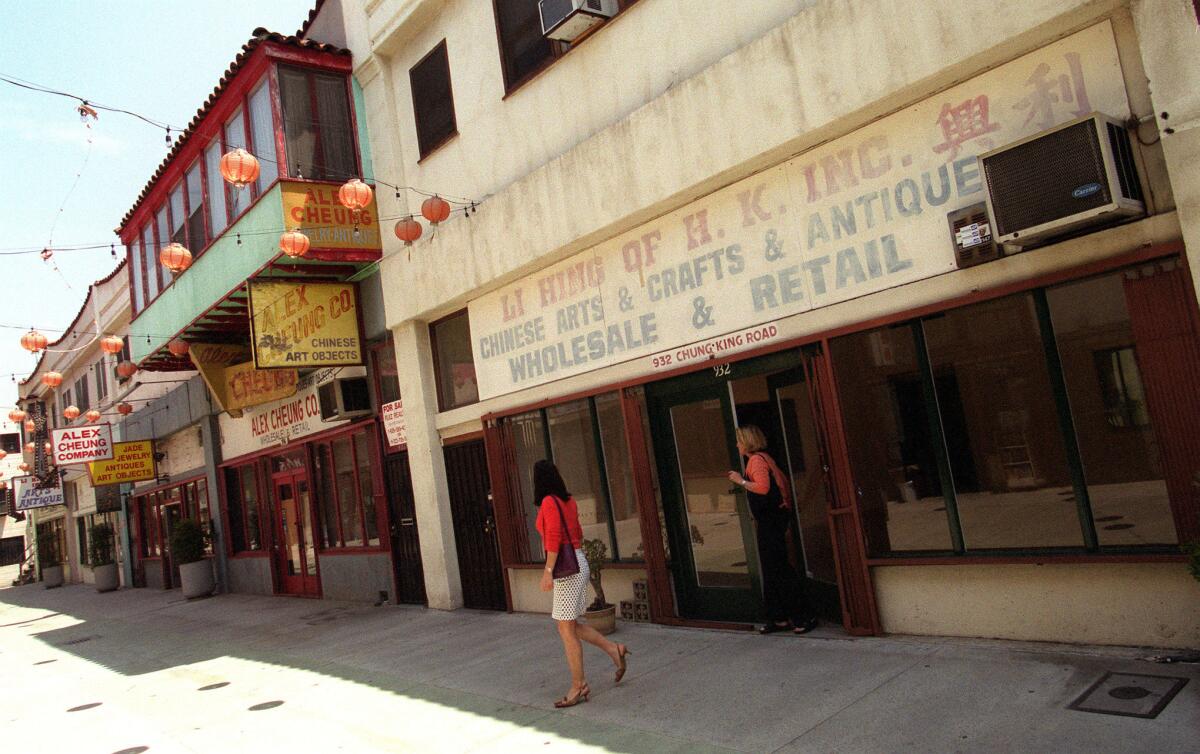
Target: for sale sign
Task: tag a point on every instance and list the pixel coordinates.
(76, 445)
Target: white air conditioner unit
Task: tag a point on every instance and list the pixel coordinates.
(344, 398)
(1078, 175)
(567, 20)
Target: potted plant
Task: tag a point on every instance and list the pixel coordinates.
(187, 549)
(100, 554)
(50, 560)
(600, 615)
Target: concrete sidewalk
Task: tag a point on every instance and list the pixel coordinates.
(242, 673)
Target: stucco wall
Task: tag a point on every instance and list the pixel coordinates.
(356, 578)
(528, 597)
(249, 575)
(1098, 603)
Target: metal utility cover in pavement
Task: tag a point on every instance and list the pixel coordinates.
(1129, 694)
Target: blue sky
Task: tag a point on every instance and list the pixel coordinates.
(161, 59)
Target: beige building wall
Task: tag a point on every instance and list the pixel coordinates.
(674, 100)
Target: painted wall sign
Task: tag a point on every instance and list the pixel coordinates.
(283, 421)
(394, 426)
(229, 372)
(29, 497)
(301, 324)
(314, 210)
(861, 214)
(75, 445)
(131, 462)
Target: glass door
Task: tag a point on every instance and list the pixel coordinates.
(296, 552)
(171, 515)
(708, 520)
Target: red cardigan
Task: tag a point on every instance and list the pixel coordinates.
(549, 523)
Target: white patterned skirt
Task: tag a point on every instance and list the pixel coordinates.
(570, 592)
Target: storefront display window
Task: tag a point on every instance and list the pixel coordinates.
(241, 492)
(1117, 444)
(347, 506)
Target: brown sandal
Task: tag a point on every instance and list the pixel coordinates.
(622, 650)
(580, 697)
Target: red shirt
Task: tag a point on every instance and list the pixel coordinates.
(549, 523)
(759, 469)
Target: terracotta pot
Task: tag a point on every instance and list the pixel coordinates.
(196, 579)
(107, 579)
(603, 620)
(52, 576)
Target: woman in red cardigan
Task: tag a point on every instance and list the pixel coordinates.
(556, 507)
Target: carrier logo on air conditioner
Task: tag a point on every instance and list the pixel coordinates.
(1086, 190)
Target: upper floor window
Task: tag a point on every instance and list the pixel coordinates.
(195, 209)
(217, 218)
(178, 216)
(433, 100)
(262, 135)
(10, 442)
(82, 400)
(101, 378)
(133, 253)
(524, 50)
(453, 362)
(317, 124)
(235, 138)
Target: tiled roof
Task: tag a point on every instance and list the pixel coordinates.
(258, 37)
(312, 16)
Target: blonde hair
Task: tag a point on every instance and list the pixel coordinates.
(751, 438)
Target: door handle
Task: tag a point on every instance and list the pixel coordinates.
(407, 521)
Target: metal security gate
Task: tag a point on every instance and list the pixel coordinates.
(11, 549)
(406, 545)
(475, 526)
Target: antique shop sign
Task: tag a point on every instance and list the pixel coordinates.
(229, 372)
(30, 497)
(861, 214)
(83, 444)
(131, 462)
(315, 211)
(296, 324)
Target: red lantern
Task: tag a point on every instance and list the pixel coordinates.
(408, 230)
(17, 415)
(52, 379)
(3, 453)
(23, 466)
(435, 209)
(113, 343)
(28, 447)
(175, 258)
(354, 194)
(126, 369)
(293, 243)
(71, 412)
(124, 409)
(33, 341)
(29, 427)
(92, 416)
(48, 447)
(239, 167)
(178, 347)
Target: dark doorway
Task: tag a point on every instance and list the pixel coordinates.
(406, 545)
(475, 526)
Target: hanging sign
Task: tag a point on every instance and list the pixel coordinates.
(393, 423)
(297, 324)
(315, 211)
(83, 444)
(229, 372)
(30, 496)
(861, 214)
(131, 462)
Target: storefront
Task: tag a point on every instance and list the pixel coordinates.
(156, 510)
(303, 496)
(962, 442)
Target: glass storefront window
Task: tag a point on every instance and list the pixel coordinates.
(362, 453)
(573, 446)
(529, 441)
(1000, 421)
(892, 451)
(345, 482)
(1121, 463)
(327, 503)
(622, 501)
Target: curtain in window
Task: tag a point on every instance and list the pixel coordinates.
(195, 222)
(216, 189)
(299, 126)
(262, 131)
(337, 138)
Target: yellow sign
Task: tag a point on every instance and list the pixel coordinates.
(131, 462)
(229, 372)
(299, 324)
(314, 210)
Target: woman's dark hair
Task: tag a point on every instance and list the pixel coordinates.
(547, 481)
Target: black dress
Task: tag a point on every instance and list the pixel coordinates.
(783, 591)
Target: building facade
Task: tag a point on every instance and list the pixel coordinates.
(690, 220)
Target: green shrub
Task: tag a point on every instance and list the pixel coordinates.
(100, 545)
(1193, 552)
(187, 542)
(596, 553)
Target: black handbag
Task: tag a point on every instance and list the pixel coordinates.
(566, 564)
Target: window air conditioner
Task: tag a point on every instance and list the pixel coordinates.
(345, 398)
(567, 20)
(1077, 175)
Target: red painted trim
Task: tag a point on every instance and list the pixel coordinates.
(364, 550)
(277, 114)
(450, 442)
(362, 256)
(169, 485)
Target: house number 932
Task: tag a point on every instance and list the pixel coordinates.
(721, 370)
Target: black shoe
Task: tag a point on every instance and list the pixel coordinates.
(772, 628)
(805, 627)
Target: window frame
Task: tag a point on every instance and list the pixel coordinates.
(310, 74)
(435, 353)
(322, 452)
(239, 470)
(425, 150)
